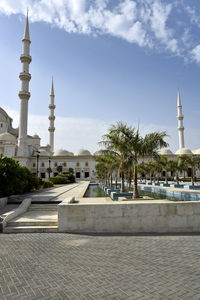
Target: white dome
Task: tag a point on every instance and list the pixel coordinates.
(7, 137)
(165, 152)
(197, 151)
(82, 152)
(62, 152)
(183, 151)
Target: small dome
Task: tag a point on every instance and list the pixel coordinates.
(7, 137)
(165, 152)
(183, 151)
(62, 152)
(197, 151)
(35, 136)
(83, 152)
(43, 152)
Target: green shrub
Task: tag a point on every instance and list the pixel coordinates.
(16, 179)
(59, 180)
(47, 184)
(63, 178)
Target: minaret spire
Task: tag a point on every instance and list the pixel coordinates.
(26, 30)
(180, 122)
(52, 117)
(24, 93)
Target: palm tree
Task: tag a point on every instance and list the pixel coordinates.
(129, 145)
(150, 165)
(116, 141)
(143, 170)
(101, 171)
(174, 167)
(166, 167)
(108, 163)
(59, 169)
(189, 161)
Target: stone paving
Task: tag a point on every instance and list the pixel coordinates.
(76, 267)
(58, 193)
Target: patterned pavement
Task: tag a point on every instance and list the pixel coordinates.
(76, 267)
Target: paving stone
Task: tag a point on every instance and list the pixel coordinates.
(83, 267)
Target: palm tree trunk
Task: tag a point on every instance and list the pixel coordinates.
(135, 191)
(111, 180)
(122, 185)
(192, 177)
(150, 177)
(166, 181)
(130, 179)
(116, 181)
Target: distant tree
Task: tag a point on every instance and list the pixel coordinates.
(49, 171)
(71, 170)
(59, 169)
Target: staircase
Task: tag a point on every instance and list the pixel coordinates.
(38, 218)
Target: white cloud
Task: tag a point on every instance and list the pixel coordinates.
(195, 53)
(143, 22)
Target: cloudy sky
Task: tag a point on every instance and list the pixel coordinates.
(111, 60)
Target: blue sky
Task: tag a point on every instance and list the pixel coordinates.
(111, 60)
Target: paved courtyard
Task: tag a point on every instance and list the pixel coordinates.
(63, 266)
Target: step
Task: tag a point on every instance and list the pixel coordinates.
(53, 207)
(45, 223)
(30, 229)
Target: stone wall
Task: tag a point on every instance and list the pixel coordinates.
(130, 217)
(3, 202)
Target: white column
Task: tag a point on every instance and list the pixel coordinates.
(180, 123)
(52, 118)
(24, 93)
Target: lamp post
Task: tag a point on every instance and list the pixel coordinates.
(49, 166)
(37, 162)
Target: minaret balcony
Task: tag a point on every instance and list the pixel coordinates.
(52, 106)
(180, 117)
(51, 129)
(24, 95)
(25, 58)
(25, 76)
(180, 128)
(26, 40)
(52, 118)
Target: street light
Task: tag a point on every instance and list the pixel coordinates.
(49, 166)
(37, 162)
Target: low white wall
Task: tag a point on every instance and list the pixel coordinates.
(3, 201)
(129, 217)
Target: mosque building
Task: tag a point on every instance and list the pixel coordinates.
(44, 160)
(16, 143)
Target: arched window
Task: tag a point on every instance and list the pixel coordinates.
(43, 165)
(86, 164)
(64, 164)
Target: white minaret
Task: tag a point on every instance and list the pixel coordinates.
(180, 122)
(24, 94)
(52, 118)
